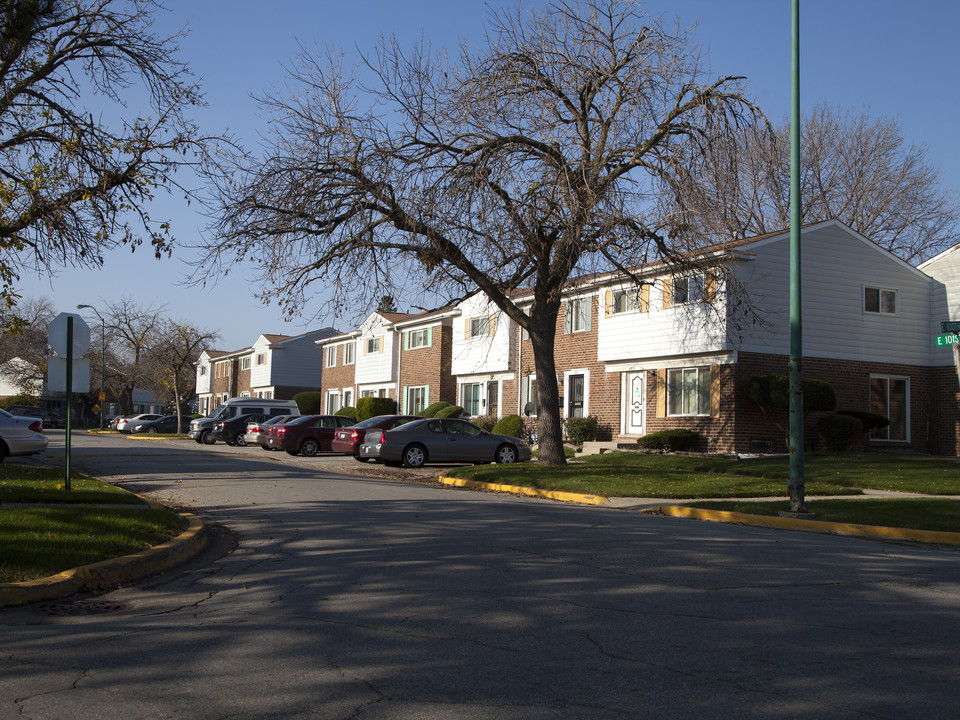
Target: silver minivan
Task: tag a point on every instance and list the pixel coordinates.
(234, 407)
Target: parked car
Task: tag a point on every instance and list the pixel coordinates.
(200, 429)
(307, 434)
(20, 435)
(125, 425)
(348, 439)
(165, 424)
(234, 430)
(49, 418)
(441, 440)
(258, 432)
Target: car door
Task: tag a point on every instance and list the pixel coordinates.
(467, 443)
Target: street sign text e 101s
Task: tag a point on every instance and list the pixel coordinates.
(948, 339)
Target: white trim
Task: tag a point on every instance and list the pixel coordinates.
(673, 362)
(566, 391)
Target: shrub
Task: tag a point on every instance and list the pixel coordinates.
(350, 412)
(773, 391)
(431, 410)
(21, 399)
(837, 431)
(669, 440)
(451, 411)
(511, 425)
(309, 402)
(485, 421)
(581, 429)
(369, 407)
(870, 421)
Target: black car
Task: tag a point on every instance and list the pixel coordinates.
(233, 431)
(166, 424)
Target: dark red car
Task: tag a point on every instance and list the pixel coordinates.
(347, 440)
(307, 434)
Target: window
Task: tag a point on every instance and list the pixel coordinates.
(416, 399)
(688, 391)
(528, 395)
(373, 345)
(878, 300)
(246, 363)
(478, 326)
(470, 398)
(202, 370)
(419, 338)
(890, 397)
(624, 301)
(576, 317)
(348, 398)
(349, 353)
(368, 393)
(333, 401)
(331, 356)
(261, 358)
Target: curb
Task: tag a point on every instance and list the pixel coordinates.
(521, 490)
(821, 526)
(108, 573)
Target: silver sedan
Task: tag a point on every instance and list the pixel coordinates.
(441, 441)
(20, 435)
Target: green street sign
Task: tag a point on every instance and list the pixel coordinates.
(948, 339)
(950, 326)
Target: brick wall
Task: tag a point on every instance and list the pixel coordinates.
(339, 376)
(431, 366)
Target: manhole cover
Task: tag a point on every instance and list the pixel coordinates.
(80, 607)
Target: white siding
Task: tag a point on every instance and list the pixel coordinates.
(945, 303)
(836, 266)
(380, 366)
(488, 354)
(204, 379)
(296, 361)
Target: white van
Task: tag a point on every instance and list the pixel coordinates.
(200, 429)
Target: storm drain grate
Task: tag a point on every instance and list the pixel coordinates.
(80, 607)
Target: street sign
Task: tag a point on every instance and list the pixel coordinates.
(57, 375)
(57, 335)
(950, 326)
(948, 339)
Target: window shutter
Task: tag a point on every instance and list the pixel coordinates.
(607, 303)
(403, 401)
(588, 311)
(466, 329)
(710, 286)
(406, 340)
(492, 325)
(363, 342)
(667, 293)
(661, 376)
(430, 336)
(644, 298)
(382, 343)
(567, 318)
(426, 395)
(714, 390)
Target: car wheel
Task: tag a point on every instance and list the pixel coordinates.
(151, 430)
(206, 438)
(506, 454)
(240, 441)
(309, 447)
(414, 456)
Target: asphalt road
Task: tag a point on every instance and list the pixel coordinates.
(331, 595)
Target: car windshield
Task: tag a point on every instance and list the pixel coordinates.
(224, 412)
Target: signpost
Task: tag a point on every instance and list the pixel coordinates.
(69, 336)
(950, 337)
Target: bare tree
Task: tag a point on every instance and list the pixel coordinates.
(132, 331)
(174, 357)
(854, 168)
(516, 166)
(27, 343)
(77, 167)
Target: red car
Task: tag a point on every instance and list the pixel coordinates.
(307, 434)
(347, 440)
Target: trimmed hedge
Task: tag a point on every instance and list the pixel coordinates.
(350, 412)
(669, 440)
(309, 402)
(432, 409)
(511, 425)
(451, 411)
(837, 431)
(485, 422)
(581, 429)
(369, 407)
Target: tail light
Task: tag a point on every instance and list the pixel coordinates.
(280, 431)
(36, 426)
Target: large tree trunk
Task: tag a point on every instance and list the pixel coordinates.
(543, 333)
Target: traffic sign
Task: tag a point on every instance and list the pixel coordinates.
(948, 339)
(57, 335)
(950, 326)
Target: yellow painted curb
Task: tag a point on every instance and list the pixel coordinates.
(822, 526)
(521, 490)
(107, 573)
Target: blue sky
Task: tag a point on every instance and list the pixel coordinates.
(892, 58)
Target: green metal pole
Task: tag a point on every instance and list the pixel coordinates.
(103, 350)
(796, 486)
(66, 469)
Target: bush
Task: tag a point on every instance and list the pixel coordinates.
(870, 421)
(369, 407)
(485, 421)
(431, 410)
(451, 411)
(581, 429)
(837, 431)
(510, 425)
(669, 440)
(21, 399)
(773, 391)
(350, 412)
(309, 402)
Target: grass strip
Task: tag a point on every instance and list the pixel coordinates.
(29, 484)
(916, 513)
(38, 542)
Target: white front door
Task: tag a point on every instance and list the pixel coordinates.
(636, 409)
